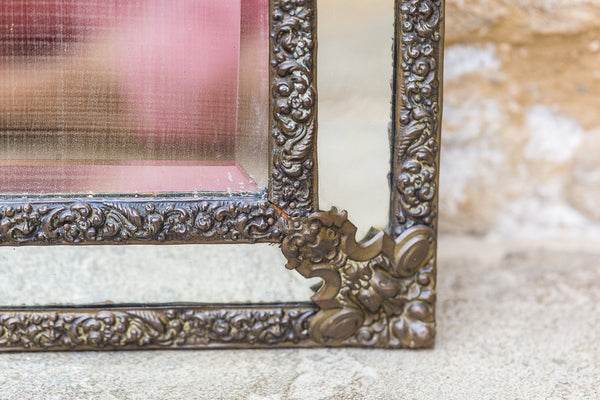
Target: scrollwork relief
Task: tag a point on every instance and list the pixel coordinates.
(293, 96)
(379, 292)
(417, 109)
(376, 293)
(138, 328)
(140, 221)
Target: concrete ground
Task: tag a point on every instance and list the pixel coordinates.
(515, 321)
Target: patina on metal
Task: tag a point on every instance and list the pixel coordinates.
(376, 293)
(380, 292)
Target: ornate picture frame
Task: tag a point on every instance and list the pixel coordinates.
(376, 293)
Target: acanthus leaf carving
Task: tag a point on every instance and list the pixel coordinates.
(177, 327)
(138, 221)
(294, 100)
(419, 42)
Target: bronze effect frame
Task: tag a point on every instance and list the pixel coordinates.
(376, 293)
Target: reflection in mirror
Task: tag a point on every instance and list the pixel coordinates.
(354, 162)
(133, 96)
(148, 274)
(354, 109)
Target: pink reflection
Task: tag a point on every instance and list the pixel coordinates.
(179, 57)
(166, 70)
(120, 177)
(176, 61)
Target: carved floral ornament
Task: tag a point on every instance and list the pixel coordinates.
(141, 221)
(380, 292)
(293, 98)
(164, 327)
(417, 120)
(375, 293)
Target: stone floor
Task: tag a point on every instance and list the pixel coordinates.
(515, 321)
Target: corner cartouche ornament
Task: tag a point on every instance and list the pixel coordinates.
(379, 292)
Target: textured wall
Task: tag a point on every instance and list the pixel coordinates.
(522, 131)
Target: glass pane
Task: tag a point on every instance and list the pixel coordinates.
(354, 109)
(131, 96)
(149, 274)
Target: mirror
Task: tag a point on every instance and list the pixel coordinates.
(136, 96)
(158, 274)
(63, 275)
(355, 175)
(188, 122)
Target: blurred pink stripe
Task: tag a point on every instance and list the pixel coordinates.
(149, 177)
(178, 65)
(177, 60)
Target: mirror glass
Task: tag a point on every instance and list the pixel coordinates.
(206, 273)
(355, 69)
(133, 96)
(354, 72)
